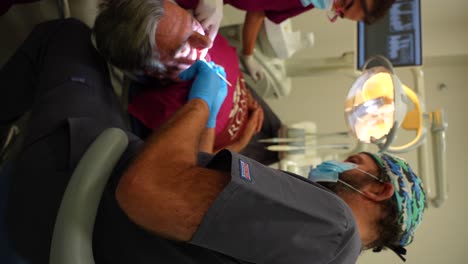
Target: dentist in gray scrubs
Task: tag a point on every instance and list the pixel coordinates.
(231, 204)
(167, 203)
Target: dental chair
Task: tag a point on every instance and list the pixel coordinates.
(73, 231)
(72, 236)
(10, 144)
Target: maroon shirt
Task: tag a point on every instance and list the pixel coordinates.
(153, 107)
(276, 10)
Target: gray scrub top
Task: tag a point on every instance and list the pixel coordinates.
(268, 216)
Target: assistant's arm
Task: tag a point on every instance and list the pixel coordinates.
(252, 25)
(163, 190)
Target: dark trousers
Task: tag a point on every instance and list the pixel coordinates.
(62, 80)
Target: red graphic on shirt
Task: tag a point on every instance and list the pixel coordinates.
(237, 118)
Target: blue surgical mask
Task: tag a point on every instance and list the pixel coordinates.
(319, 4)
(329, 171)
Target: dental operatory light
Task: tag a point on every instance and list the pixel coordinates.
(377, 106)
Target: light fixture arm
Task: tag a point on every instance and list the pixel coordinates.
(439, 125)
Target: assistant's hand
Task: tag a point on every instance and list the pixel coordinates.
(255, 70)
(210, 13)
(206, 85)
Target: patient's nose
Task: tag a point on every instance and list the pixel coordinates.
(199, 41)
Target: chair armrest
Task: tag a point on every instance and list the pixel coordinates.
(73, 231)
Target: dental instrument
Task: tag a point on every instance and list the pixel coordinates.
(217, 73)
(301, 139)
(292, 148)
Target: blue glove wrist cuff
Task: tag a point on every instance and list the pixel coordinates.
(201, 97)
(211, 123)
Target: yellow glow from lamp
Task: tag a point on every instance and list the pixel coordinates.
(376, 107)
(370, 106)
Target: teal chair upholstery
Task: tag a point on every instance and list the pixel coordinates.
(73, 231)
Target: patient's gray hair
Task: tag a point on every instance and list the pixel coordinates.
(124, 32)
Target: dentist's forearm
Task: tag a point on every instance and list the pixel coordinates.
(207, 140)
(178, 139)
(153, 192)
(164, 190)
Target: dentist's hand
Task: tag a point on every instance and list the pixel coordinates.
(210, 13)
(207, 86)
(255, 70)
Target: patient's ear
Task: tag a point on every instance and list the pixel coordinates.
(379, 191)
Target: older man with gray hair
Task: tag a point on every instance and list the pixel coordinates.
(152, 41)
(126, 34)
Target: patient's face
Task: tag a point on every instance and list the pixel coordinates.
(180, 39)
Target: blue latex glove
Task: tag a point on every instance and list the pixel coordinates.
(206, 83)
(207, 86)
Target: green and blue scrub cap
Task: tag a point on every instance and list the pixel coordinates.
(409, 194)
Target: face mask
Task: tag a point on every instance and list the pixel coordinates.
(319, 4)
(329, 171)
